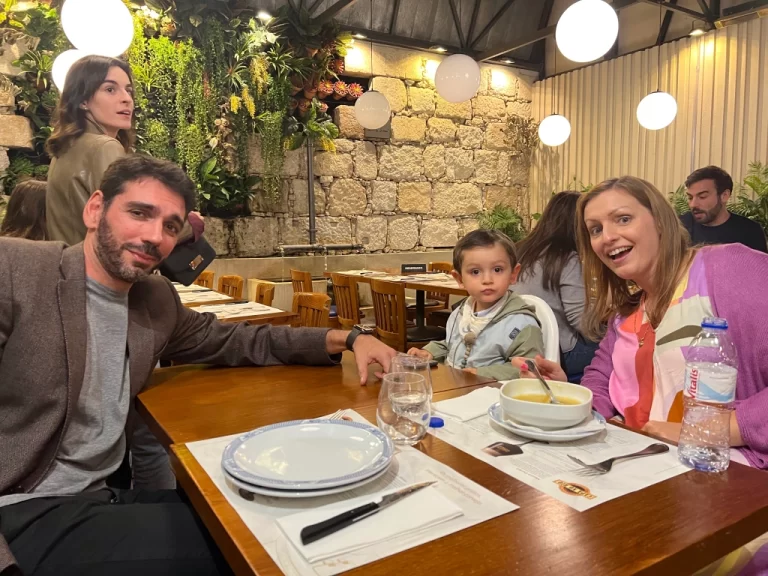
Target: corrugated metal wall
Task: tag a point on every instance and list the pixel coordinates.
(720, 81)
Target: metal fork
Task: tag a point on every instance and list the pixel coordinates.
(338, 415)
(605, 466)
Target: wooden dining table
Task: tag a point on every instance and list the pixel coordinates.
(674, 527)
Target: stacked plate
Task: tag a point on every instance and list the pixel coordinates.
(307, 458)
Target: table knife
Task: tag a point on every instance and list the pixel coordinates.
(332, 525)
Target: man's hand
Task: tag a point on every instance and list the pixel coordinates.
(370, 350)
(666, 430)
(421, 353)
(470, 370)
(549, 370)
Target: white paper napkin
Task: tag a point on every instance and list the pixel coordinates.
(590, 424)
(471, 405)
(420, 510)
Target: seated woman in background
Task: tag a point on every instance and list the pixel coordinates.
(550, 269)
(25, 215)
(92, 127)
(639, 369)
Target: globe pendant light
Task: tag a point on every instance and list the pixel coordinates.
(587, 30)
(102, 27)
(62, 64)
(457, 78)
(658, 109)
(555, 129)
(372, 110)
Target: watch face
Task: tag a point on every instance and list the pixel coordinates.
(364, 329)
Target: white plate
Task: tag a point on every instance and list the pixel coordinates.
(308, 454)
(301, 493)
(496, 415)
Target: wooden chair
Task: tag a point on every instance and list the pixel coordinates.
(390, 311)
(312, 309)
(266, 294)
(205, 279)
(302, 281)
(231, 285)
(261, 291)
(446, 267)
(347, 301)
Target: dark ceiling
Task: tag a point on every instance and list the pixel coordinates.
(502, 31)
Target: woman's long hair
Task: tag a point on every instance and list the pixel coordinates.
(25, 216)
(607, 294)
(69, 119)
(553, 241)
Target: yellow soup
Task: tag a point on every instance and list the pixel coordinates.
(544, 399)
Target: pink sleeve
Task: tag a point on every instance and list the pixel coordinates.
(598, 374)
(736, 278)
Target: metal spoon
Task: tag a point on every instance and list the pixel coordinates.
(535, 369)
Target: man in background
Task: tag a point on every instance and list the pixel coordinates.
(709, 221)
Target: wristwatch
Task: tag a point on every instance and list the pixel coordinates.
(358, 329)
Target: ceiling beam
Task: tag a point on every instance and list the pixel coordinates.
(680, 9)
(457, 23)
(517, 43)
(665, 26)
(314, 6)
(393, 20)
(714, 8)
(472, 22)
(491, 23)
(331, 12)
(538, 54)
(415, 43)
(704, 7)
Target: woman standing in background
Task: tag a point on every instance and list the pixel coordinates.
(93, 127)
(550, 269)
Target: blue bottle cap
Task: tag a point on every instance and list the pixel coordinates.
(716, 323)
(436, 422)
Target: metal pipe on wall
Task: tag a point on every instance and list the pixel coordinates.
(311, 192)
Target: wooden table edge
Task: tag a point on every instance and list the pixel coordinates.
(710, 548)
(226, 539)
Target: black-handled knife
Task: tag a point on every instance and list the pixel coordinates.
(327, 527)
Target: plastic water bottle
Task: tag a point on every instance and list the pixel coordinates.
(710, 388)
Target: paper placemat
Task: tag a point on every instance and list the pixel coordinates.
(180, 288)
(411, 466)
(547, 467)
(239, 310)
(210, 296)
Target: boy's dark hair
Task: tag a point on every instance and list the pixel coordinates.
(137, 167)
(483, 239)
(723, 180)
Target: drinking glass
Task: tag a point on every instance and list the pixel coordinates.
(404, 407)
(405, 363)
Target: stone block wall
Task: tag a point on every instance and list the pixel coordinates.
(420, 190)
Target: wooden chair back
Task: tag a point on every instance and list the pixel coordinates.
(443, 298)
(312, 309)
(205, 279)
(389, 310)
(266, 294)
(261, 291)
(347, 301)
(231, 285)
(446, 267)
(302, 281)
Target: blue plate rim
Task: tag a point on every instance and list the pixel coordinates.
(229, 463)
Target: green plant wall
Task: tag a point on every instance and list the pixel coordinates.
(207, 74)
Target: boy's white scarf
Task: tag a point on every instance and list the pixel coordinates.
(470, 324)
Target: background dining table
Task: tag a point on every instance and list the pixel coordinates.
(674, 527)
